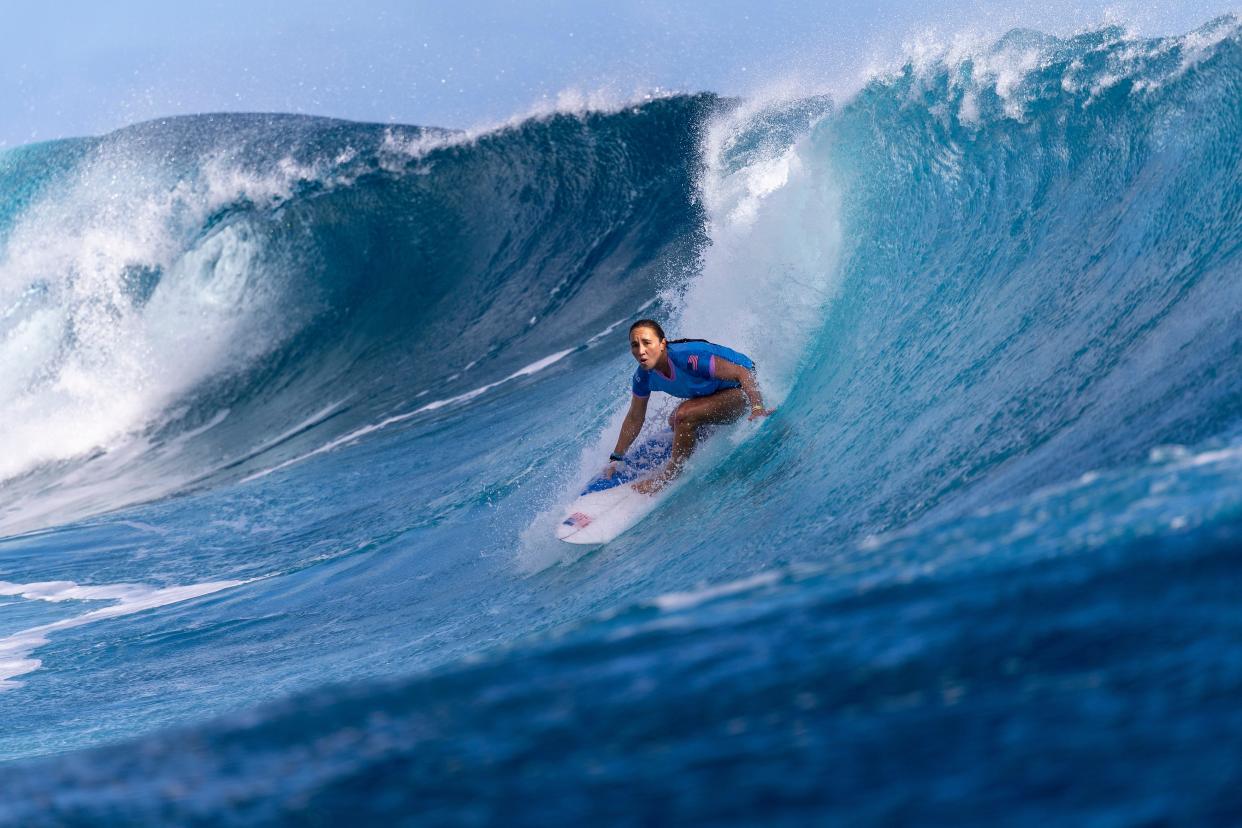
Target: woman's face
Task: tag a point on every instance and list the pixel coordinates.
(646, 346)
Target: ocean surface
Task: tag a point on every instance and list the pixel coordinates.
(289, 407)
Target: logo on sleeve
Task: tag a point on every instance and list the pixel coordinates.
(694, 362)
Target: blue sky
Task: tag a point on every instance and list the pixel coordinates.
(73, 68)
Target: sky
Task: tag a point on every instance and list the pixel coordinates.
(85, 68)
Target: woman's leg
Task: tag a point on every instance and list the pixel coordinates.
(724, 406)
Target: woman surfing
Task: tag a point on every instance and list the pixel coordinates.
(717, 384)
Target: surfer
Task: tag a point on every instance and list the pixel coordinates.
(717, 384)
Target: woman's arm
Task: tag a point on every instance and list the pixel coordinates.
(633, 423)
(727, 370)
(634, 419)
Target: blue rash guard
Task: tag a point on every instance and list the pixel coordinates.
(692, 370)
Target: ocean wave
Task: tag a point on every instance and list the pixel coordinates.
(989, 529)
(226, 270)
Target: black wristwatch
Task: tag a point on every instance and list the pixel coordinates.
(616, 457)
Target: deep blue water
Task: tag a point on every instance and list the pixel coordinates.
(289, 407)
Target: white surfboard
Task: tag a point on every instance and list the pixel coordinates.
(609, 506)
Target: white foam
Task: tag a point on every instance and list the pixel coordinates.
(399, 149)
(16, 650)
(976, 62)
(84, 367)
(597, 337)
(309, 422)
(1194, 47)
(534, 367)
(772, 267)
(1212, 457)
(677, 601)
(358, 433)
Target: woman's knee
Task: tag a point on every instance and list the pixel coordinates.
(683, 413)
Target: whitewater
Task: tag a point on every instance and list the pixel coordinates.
(289, 406)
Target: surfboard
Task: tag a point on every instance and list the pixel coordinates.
(609, 506)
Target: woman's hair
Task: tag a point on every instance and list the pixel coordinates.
(649, 323)
(655, 326)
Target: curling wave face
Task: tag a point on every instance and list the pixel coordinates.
(185, 295)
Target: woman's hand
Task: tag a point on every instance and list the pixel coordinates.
(651, 485)
(610, 469)
(745, 377)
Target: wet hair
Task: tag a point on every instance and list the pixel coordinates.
(655, 326)
(649, 323)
